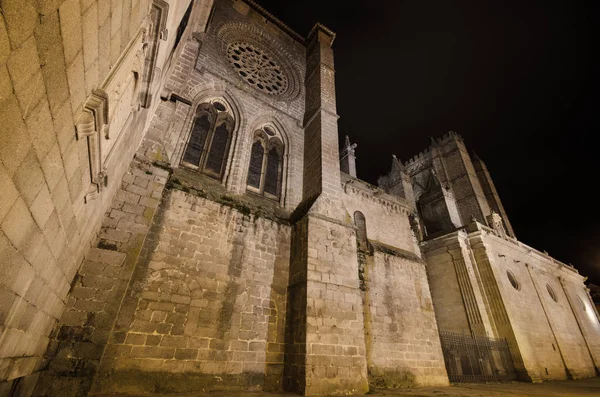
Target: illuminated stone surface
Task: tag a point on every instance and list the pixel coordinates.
(124, 270)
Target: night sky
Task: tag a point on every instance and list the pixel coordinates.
(516, 79)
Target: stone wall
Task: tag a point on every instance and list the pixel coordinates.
(386, 215)
(402, 340)
(550, 334)
(52, 55)
(79, 341)
(207, 302)
(402, 345)
(546, 330)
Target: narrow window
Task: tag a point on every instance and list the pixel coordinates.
(272, 174)
(551, 293)
(266, 165)
(197, 139)
(361, 231)
(218, 150)
(209, 140)
(256, 162)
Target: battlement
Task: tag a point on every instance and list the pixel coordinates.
(425, 154)
(419, 157)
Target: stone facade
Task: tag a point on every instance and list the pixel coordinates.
(483, 281)
(175, 216)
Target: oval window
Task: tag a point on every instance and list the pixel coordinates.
(513, 280)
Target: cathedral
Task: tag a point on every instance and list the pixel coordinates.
(177, 215)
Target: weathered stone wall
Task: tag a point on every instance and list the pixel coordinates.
(207, 303)
(53, 54)
(78, 342)
(444, 283)
(546, 331)
(386, 215)
(549, 339)
(334, 357)
(402, 340)
(401, 334)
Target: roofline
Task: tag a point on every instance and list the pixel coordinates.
(258, 8)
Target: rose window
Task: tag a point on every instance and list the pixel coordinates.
(257, 68)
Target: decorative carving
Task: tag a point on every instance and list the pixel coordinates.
(157, 31)
(262, 59)
(495, 222)
(257, 67)
(92, 125)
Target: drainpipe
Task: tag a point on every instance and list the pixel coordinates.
(560, 280)
(562, 357)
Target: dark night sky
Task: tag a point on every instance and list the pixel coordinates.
(516, 79)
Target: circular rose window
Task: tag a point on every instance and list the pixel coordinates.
(257, 68)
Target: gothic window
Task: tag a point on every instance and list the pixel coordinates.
(361, 230)
(266, 164)
(208, 145)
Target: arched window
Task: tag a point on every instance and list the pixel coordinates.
(266, 163)
(361, 231)
(209, 140)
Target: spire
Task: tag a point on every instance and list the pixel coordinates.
(347, 158)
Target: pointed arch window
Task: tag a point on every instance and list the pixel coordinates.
(208, 144)
(361, 231)
(266, 164)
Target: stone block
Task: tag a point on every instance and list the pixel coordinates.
(30, 93)
(112, 258)
(42, 207)
(14, 139)
(21, 18)
(116, 15)
(76, 79)
(52, 166)
(152, 352)
(60, 195)
(186, 354)
(115, 44)
(4, 42)
(18, 224)
(39, 124)
(70, 26)
(90, 33)
(6, 88)
(64, 126)
(29, 177)
(9, 192)
(91, 78)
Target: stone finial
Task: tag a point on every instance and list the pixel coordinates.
(495, 222)
(347, 158)
(397, 165)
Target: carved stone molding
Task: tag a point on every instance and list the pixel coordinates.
(156, 31)
(92, 125)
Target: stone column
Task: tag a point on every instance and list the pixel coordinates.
(325, 345)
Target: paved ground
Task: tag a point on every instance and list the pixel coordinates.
(569, 388)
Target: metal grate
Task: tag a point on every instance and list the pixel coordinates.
(471, 358)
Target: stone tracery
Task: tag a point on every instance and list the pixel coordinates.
(257, 68)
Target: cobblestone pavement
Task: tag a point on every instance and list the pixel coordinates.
(582, 387)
